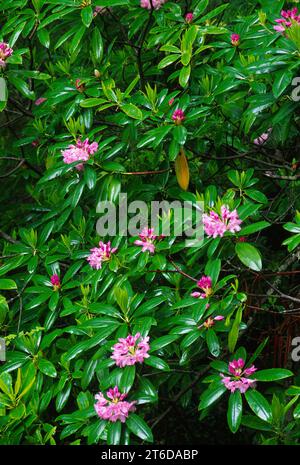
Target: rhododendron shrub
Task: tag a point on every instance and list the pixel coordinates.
(117, 326)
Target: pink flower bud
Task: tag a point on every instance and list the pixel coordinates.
(55, 281)
(235, 39)
(40, 100)
(178, 116)
(189, 17)
(219, 318)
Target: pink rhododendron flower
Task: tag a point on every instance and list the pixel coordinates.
(239, 379)
(189, 17)
(39, 101)
(5, 52)
(211, 321)
(235, 39)
(263, 137)
(288, 17)
(131, 350)
(178, 116)
(55, 281)
(205, 283)
(215, 225)
(100, 254)
(156, 4)
(147, 238)
(79, 152)
(113, 408)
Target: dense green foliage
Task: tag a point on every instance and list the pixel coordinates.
(115, 76)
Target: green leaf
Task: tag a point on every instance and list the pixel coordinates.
(7, 284)
(259, 405)
(184, 75)
(162, 341)
(114, 431)
(46, 231)
(77, 39)
(62, 397)
(155, 136)
(168, 60)
(253, 228)
(90, 177)
(6, 384)
(200, 7)
(283, 79)
(132, 111)
(255, 423)
(214, 12)
(211, 395)
(212, 269)
(157, 363)
(139, 427)
(97, 46)
(22, 86)
(234, 332)
(212, 342)
(190, 338)
(256, 195)
(180, 134)
(249, 255)
(80, 347)
(104, 3)
(296, 412)
(95, 431)
(92, 102)
(235, 411)
(87, 15)
(39, 300)
(272, 374)
(47, 367)
(127, 378)
(44, 37)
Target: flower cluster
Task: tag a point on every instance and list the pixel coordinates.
(288, 17)
(55, 281)
(5, 52)
(79, 152)
(214, 225)
(205, 283)
(113, 408)
(156, 4)
(235, 39)
(132, 350)
(239, 379)
(100, 254)
(178, 116)
(147, 238)
(210, 321)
